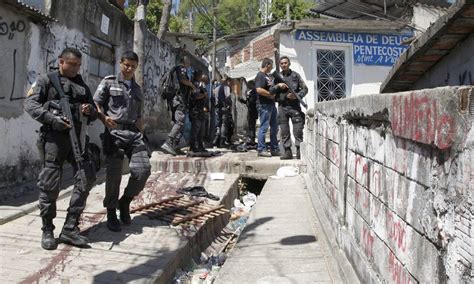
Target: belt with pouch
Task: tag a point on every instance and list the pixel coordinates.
(127, 126)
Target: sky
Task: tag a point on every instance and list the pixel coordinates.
(173, 10)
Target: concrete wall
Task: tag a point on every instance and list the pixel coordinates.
(395, 177)
(243, 57)
(30, 50)
(457, 68)
(424, 16)
(17, 150)
(159, 58)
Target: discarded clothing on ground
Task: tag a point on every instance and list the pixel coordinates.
(243, 147)
(198, 191)
(204, 154)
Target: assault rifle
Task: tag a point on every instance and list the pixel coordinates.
(66, 111)
(279, 79)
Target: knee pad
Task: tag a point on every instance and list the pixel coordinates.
(140, 173)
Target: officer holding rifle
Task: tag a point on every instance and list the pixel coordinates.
(289, 107)
(46, 102)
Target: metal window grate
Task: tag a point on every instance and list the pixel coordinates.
(331, 70)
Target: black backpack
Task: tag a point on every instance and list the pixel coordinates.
(169, 84)
(221, 96)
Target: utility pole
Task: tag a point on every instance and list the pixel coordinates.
(214, 38)
(288, 17)
(190, 18)
(139, 39)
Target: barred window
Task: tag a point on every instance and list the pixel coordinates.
(331, 82)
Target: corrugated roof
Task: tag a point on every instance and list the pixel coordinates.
(431, 47)
(245, 33)
(35, 15)
(369, 9)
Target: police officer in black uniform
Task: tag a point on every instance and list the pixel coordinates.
(289, 108)
(197, 114)
(225, 127)
(250, 100)
(179, 107)
(120, 103)
(42, 103)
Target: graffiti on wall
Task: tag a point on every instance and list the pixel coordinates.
(367, 241)
(14, 52)
(25, 59)
(463, 77)
(418, 117)
(397, 271)
(13, 80)
(57, 41)
(8, 29)
(157, 62)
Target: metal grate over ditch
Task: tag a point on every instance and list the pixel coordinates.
(205, 268)
(180, 210)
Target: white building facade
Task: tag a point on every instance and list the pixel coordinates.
(338, 60)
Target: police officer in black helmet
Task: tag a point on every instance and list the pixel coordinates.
(289, 108)
(55, 146)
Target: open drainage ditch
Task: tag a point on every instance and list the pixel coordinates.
(212, 243)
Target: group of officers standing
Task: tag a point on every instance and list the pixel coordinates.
(118, 103)
(263, 93)
(288, 93)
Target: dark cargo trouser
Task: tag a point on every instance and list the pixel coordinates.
(57, 150)
(178, 115)
(130, 143)
(285, 113)
(252, 115)
(198, 120)
(226, 125)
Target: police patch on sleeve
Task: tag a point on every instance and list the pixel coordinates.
(100, 88)
(34, 89)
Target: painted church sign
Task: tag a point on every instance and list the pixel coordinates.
(368, 49)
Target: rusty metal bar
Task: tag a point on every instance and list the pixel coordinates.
(141, 208)
(190, 217)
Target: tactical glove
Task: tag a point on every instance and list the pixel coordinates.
(59, 124)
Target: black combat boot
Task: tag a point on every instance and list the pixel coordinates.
(70, 232)
(275, 153)
(168, 148)
(175, 144)
(288, 155)
(112, 222)
(298, 154)
(47, 239)
(223, 143)
(216, 141)
(124, 208)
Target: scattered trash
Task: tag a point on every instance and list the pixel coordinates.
(249, 199)
(287, 171)
(23, 251)
(204, 154)
(216, 176)
(212, 259)
(198, 191)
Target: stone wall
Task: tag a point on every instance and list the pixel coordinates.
(395, 177)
